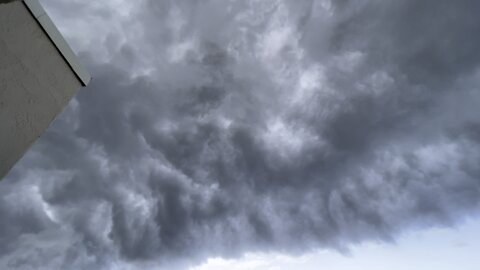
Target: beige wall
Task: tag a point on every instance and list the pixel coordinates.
(35, 82)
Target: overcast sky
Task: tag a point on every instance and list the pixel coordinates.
(218, 128)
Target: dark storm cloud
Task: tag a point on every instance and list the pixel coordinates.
(214, 128)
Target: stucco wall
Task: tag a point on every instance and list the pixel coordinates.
(35, 82)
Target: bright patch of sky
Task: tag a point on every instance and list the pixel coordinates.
(436, 249)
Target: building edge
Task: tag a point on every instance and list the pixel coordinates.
(57, 39)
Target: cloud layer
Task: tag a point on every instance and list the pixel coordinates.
(212, 128)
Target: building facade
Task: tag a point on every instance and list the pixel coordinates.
(39, 74)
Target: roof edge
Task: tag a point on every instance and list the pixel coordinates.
(56, 37)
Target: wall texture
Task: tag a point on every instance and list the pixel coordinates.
(35, 82)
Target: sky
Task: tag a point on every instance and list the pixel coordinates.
(435, 248)
(257, 133)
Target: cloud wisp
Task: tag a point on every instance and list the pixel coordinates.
(213, 128)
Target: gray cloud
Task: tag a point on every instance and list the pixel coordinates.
(214, 128)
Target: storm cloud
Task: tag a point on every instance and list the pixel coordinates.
(215, 128)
